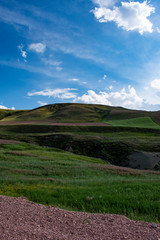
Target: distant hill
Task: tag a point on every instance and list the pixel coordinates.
(81, 113)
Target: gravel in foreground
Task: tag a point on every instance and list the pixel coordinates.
(21, 219)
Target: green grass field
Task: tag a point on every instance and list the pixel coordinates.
(69, 181)
(141, 122)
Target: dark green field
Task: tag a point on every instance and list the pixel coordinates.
(80, 167)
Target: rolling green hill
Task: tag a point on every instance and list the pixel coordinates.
(64, 112)
(84, 113)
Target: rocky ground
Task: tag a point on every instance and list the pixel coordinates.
(21, 219)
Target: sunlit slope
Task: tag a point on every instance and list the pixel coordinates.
(10, 115)
(143, 122)
(74, 113)
(62, 113)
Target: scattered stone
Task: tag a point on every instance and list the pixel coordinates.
(154, 225)
(22, 219)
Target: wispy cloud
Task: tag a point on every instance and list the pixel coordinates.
(50, 62)
(131, 16)
(28, 67)
(23, 53)
(104, 3)
(63, 38)
(61, 93)
(15, 18)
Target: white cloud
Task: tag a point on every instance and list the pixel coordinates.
(42, 103)
(129, 16)
(23, 53)
(126, 98)
(156, 84)
(3, 107)
(94, 98)
(37, 47)
(62, 93)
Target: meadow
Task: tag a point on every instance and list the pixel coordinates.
(141, 122)
(66, 180)
(70, 166)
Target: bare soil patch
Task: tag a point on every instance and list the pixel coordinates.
(19, 153)
(22, 219)
(123, 170)
(5, 141)
(52, 123)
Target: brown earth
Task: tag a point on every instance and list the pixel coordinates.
(4, 141)
(123, 170)
(21, 219)
(52, 123)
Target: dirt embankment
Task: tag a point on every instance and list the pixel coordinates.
(5, 141)
(145, 160)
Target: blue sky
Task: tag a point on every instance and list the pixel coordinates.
(85, 51)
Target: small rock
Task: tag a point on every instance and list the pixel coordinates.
(154, 225)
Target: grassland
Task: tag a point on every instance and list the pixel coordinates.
(141, 122)
(109, 143)
(41, 170)
(83, 113)
(51, 176)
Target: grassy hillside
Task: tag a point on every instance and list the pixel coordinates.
(4, 113)
(52, 176)
(113, 144)
(74, 113)
(119, 114)
(62, 113)
(142, 122)
(11, 115)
